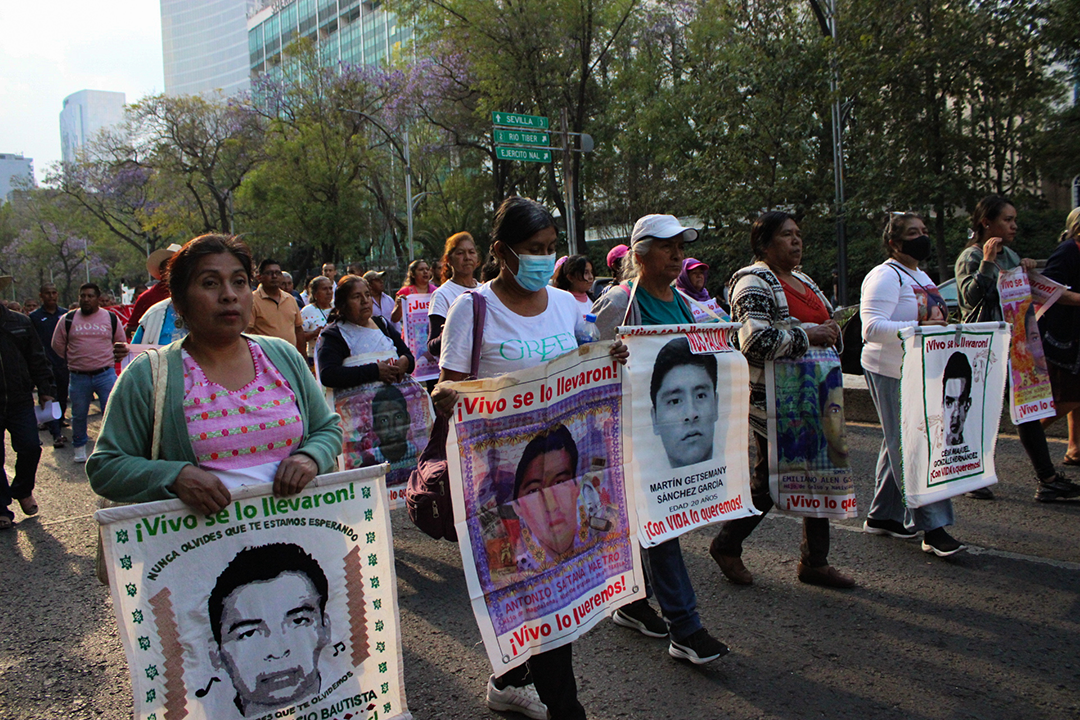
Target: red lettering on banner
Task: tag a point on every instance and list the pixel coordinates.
(707, 342)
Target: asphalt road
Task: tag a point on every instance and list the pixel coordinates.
(992, 633)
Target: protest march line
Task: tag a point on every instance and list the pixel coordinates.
(272, 607)
(687, 427)
(543, 517)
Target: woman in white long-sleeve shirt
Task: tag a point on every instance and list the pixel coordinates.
(898, 295)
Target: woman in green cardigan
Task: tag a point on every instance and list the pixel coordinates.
(238, 410)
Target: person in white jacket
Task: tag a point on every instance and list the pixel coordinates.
(897, 295)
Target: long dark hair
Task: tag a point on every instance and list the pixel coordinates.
(989, 209)
(573, 268)
(518, 219)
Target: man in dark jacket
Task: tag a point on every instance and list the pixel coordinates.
(23, 366)
(44, 320)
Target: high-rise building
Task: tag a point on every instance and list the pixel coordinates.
(359, 32)
(204, 45)
(85, 113)
(14, 166)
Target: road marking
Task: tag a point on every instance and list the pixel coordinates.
(971, 549)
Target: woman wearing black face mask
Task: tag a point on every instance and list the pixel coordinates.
(898, 295)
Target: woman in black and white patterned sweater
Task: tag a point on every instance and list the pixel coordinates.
(782, 313)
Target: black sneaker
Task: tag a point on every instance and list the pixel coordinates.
(941, 543)
(981, 494)
(640, 616)
(888, 527)
(699, 648)
(1058, 487)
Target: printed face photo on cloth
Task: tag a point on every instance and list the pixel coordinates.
(1031, 396)
(270, 607)
(689, 468)
(536, 474)
(809, 472)
(414, 325)
(385, 422)
(951, 392)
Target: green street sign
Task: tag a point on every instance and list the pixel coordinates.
(532, 122)
(526, 154)
(520, 137)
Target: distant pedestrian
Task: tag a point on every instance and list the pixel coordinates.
(289, 286)
(417, 282)
(44, 320)
(155, 266)
(382, 303)
(274, 312)
(25, 367)
(459, 267)
(92, 342)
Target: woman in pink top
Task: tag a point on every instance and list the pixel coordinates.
(417, 282)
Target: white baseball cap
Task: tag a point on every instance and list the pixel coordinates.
(661, 226)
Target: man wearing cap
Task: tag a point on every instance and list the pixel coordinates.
(155, 265)
(382, 305)
(25, 367)
(274, 312)
(44, 320)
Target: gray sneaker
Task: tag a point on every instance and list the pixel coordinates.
(522, 700)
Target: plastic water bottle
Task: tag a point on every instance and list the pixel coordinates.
(587, 332)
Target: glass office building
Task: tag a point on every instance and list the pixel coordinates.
(349, 31)
(204, 45)
(85, 114)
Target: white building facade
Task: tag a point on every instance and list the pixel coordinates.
(86, 113)
(13, 166)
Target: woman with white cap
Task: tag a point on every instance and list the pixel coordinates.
(654, 261)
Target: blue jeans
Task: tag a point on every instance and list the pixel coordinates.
(888, 501)
(81, 391)
(670, 583)
(21, 424)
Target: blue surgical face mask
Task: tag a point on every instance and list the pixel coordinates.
(534, 271)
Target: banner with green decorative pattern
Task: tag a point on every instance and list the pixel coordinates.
(272, 608)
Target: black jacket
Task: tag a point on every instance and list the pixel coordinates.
(333, 350)
(22, 361)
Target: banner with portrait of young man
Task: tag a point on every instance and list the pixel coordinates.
(952, 387)
(688, 388)
(1030, 394)
(383, 423)
(414, 329)
(273, 607)
(541, 507)
(809, 471)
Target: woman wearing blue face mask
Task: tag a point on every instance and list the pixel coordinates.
(527, 323)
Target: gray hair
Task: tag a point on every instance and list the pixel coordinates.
(316, 281)
(631, 265)
(287, 276)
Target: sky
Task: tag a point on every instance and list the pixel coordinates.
(50, 49)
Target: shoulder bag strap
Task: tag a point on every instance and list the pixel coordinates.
(479, 305)
(159, 370)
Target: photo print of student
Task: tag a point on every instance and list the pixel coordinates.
(1030, 395)
(689, 428)
(809, 471)
(951, 393)
(414, 324)
(541, 509)
(385, 423)
(270, 607)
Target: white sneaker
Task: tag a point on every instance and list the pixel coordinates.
(80, 454)
(522, 700)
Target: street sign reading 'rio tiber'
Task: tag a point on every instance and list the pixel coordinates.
(521, 137)
(528, 154)
(531, 122)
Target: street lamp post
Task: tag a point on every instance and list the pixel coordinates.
(404, 154)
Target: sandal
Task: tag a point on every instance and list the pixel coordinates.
(1071, 460)
(6, 522)
(29, 505)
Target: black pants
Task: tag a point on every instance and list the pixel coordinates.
(1033, 438)
(21, 424)
(815, 536)
(60, 372)
(552, 673)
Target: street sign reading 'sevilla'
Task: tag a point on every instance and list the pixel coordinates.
(521, 137)
(527, 154)
(532, 122)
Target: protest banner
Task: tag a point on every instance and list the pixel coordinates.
(952, 386)
(414, 323)
(1030, 396)
(540, 503)
(1044, 291)
(688, 391)
(273, 607)
(809, 472)
(383, 422)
